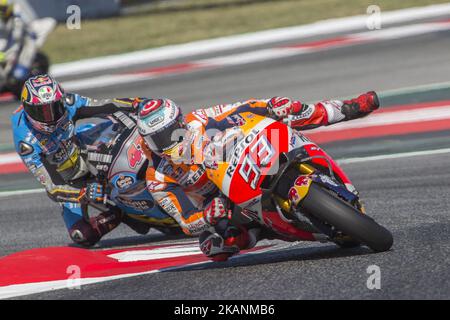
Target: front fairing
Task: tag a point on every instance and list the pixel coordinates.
(252, 156)
(95, 134)
(133, 198)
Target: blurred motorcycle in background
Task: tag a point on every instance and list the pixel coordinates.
(14, 46)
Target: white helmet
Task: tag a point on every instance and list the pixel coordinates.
(159, 123)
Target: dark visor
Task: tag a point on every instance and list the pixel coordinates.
(46, 113)
(165, 139)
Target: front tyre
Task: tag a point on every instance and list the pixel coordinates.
(328, 208)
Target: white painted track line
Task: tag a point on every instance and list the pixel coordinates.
(394, 156)
(5, 194)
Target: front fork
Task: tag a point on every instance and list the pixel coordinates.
(300, 189)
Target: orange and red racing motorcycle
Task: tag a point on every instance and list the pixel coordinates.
(276, 177)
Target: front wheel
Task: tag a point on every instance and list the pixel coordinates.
(329, 208)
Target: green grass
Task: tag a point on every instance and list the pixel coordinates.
(189, 20)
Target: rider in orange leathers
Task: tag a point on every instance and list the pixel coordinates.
(180, 185)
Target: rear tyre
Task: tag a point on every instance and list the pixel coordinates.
(328, 208)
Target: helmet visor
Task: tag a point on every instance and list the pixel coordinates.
(166, 138)
(49, 113)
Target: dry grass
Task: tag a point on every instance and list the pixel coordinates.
(189, 20)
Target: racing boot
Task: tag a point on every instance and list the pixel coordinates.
(360, 106)
(88, 233)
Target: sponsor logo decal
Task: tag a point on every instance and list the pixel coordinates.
(46, 93)
(306, 113)
(124, 181)
(238, 151)
(194, 177)
(169, 207)
(41, 81)
(135, 154)
(153, 186)
(25, 149)
(140, 205)
(300, 189)
(149, 107)
(200, 115)
(236, 120)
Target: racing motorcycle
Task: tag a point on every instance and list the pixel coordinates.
(10, 51)
(278, 178)
(113, 155)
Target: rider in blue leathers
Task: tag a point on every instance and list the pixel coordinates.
(44, 137)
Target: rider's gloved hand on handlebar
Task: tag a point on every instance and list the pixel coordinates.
(95, 192)
(281, 107)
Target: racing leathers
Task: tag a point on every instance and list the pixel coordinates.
(48, 155)
(184, 190)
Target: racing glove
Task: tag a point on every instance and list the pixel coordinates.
(94, 192)
(281, 107)
(215, 211)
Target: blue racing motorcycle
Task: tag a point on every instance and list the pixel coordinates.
(112, 151)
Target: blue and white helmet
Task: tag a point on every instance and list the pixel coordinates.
(160, 123)
(43, 103)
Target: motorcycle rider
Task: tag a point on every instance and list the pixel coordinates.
(183, 189)
(24, 41)
(44, 137)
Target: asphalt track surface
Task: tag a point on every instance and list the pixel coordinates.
(410, 196)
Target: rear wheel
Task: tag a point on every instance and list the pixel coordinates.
(329, 208)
